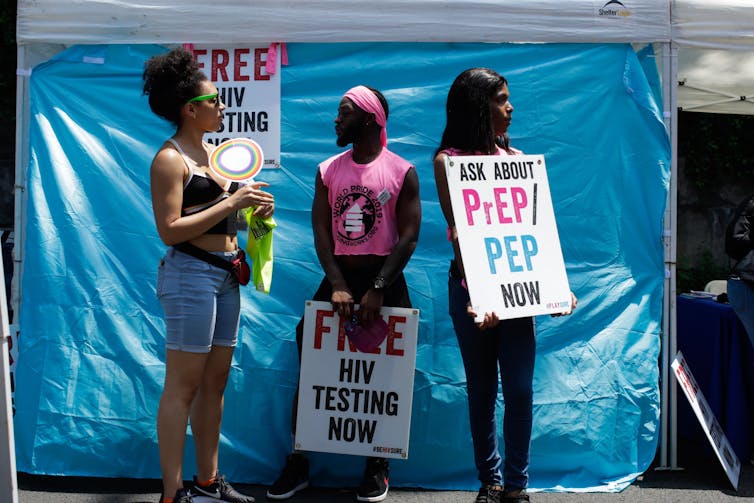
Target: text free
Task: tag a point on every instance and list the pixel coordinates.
(390, 344)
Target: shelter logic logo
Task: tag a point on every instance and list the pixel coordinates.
(614, 8)
(357, 213)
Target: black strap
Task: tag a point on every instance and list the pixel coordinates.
(204, 255)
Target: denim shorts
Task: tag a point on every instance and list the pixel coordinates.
(202, 303)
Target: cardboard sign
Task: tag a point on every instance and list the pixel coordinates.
(351, 402)
(251, 96)
(507, 235)
(707, 419)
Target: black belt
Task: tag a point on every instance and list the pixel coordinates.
(204, 255)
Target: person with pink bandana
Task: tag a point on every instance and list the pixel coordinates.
(366, 215)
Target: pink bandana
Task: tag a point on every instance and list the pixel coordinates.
(368, 101)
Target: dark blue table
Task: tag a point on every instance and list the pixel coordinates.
(721, 358)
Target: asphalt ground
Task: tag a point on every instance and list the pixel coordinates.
(699, 480)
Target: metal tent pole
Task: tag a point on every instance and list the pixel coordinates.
(669, 391)
(673, 190)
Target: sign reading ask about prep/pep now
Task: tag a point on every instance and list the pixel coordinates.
(508, 235)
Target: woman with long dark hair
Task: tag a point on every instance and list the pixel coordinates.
(478, 115)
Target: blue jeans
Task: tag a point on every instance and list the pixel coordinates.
(508, 349)
(741, 299)
(202, 303)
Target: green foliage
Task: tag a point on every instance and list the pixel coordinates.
(695, 277)
(716, 148)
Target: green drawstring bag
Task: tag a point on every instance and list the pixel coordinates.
(259, 249)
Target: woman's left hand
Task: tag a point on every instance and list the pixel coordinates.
(574, 302)
(264, 210)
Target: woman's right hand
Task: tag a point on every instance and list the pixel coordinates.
(490, 319)
(252, 195)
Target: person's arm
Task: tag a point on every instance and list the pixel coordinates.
(409, 213)
(740, 242)
(443, 194)
(166, 183)
(342, 299)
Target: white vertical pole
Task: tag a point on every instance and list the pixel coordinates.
(673, 330)
(8, 482)
(669, 391)
(19, 190)
(8, 477)
(664, 360)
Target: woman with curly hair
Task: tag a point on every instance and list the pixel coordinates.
(195, 213)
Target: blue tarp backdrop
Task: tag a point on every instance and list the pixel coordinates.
(91, 348)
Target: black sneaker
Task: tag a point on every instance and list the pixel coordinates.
(181, 496)
(375, 484)
(221, 490)
(515, 497)
(295, 476)
(489, 494)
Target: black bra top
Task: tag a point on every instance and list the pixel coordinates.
(201, 192)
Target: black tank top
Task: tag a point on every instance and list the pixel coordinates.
(201, 192)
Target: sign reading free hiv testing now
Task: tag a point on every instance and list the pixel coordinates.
(351, 402)
(507, 235)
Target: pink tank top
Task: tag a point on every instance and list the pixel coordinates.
(454, 151)
(362, 199)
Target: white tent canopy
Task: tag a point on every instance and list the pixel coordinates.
(715, 63)
(703, 44)
(716, 73)
(115, 21)
(723, 24)
(716, 81)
